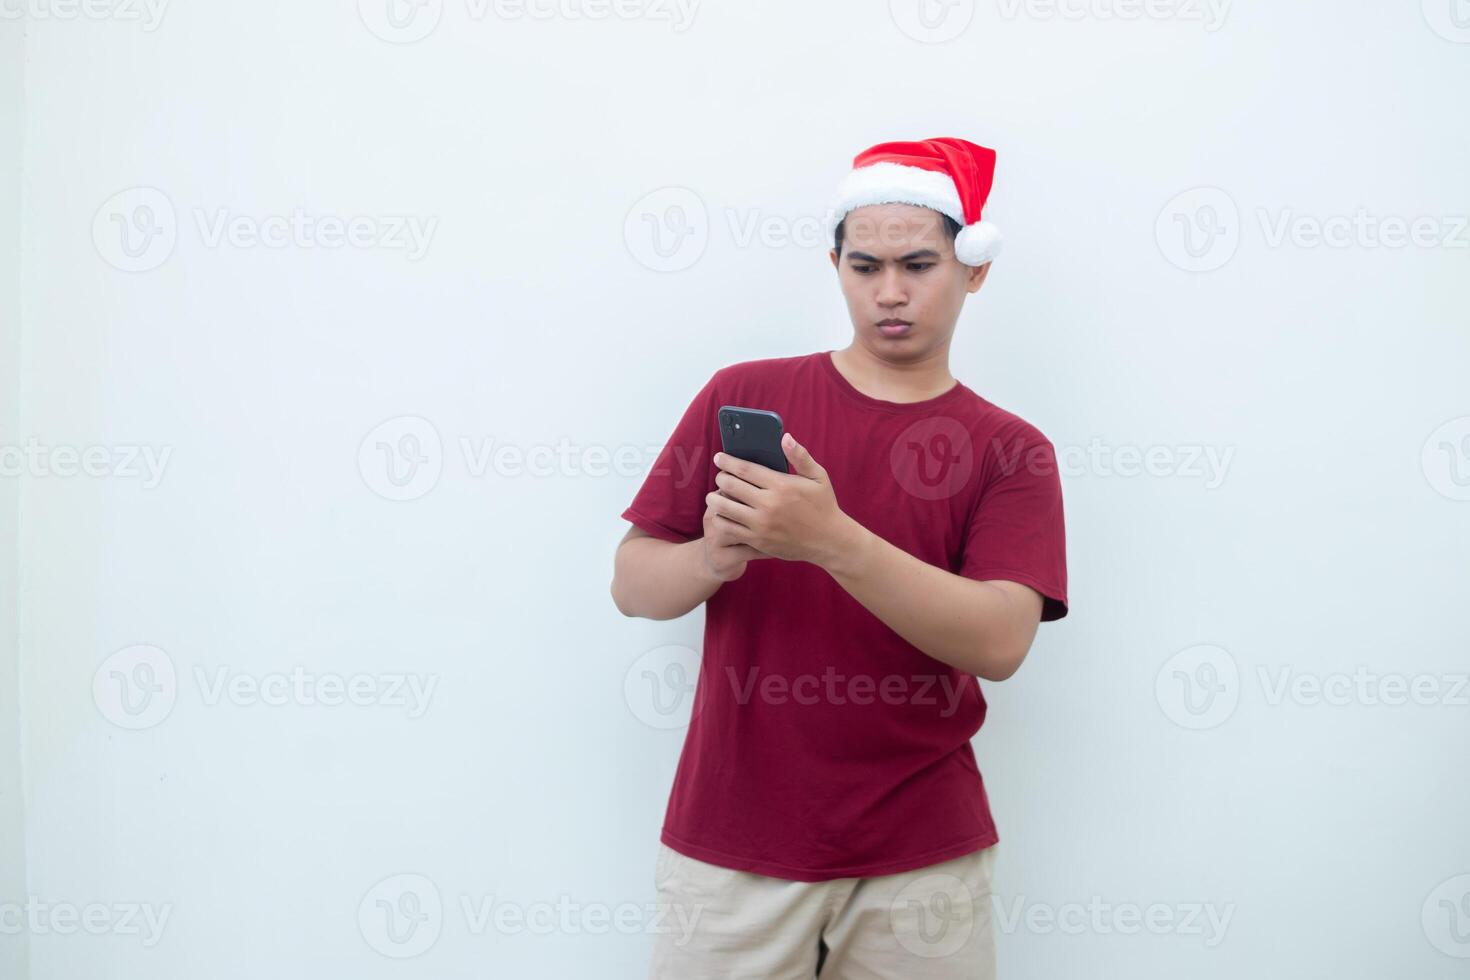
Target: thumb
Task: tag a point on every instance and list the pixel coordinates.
(801, 460)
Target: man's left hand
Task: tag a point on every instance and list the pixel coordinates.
(785, 515)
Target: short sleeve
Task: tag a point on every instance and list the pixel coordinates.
(1016, 530)
(670, 504)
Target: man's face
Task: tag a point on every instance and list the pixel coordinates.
(897, 264)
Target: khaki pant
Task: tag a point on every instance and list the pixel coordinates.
(932, 923)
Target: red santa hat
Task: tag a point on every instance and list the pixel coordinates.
(952, 176)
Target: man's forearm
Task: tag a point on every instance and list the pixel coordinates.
(978, 627)
(658, 579)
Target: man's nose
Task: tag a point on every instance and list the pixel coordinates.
(890, 289)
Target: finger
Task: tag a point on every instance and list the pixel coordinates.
(746, 552)
(737, 489)
(753, 473)
(730, 508)
(727, 533)
(801, 460)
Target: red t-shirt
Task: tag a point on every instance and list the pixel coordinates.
(822, 744)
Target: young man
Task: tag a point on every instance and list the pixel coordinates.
(827, 813)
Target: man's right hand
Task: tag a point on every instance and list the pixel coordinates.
(725, 557)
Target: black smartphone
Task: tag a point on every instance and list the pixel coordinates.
(753, 434)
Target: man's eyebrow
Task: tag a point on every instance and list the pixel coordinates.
(923, 253)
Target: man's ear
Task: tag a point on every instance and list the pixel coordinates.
(977, 277)
(833, 253)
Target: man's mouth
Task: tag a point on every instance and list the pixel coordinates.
(893, 328)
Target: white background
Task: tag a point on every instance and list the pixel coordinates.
(541, 314)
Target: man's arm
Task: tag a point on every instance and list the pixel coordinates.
(658, 579)
(982, 628)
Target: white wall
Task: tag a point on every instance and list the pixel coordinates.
(267, 537)
(14, 948)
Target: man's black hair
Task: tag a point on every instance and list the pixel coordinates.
(951, 228)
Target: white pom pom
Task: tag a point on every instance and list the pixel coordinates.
(977, 244)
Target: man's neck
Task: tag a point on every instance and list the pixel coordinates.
(892, 381)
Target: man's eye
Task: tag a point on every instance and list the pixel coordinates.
(920, 266)
(862, 268)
